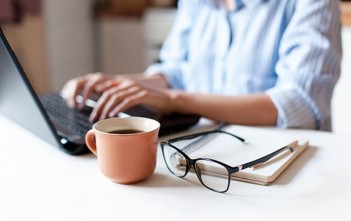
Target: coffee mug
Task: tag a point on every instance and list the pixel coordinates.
(126, 148)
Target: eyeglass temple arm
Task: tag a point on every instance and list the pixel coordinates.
(266, 158)
(191, 136)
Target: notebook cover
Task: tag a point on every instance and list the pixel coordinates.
(258, 143)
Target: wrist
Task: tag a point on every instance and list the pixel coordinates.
(177, 103)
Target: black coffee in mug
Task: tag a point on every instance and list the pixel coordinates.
(126, 131)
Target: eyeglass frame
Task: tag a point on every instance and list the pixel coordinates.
(191, 163)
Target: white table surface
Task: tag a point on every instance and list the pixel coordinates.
(39, 182)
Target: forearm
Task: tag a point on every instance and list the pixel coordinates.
(156, 80)
(255, 109)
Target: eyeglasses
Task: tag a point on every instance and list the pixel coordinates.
(179, 163)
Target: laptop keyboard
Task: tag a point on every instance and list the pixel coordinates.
(75, 123)
(71, 121)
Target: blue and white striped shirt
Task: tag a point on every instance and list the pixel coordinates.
(288, 49)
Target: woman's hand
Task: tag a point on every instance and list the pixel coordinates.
(118, 93)
(122, 93)
(84, 85)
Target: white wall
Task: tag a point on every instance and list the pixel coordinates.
(157, 24)
(341, 103)
(70, 40)
(78, 44)
(121, 45)
(129, 45)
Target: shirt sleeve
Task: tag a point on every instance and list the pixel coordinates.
(174, 52)
(308, 66)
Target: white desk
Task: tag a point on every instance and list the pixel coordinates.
(39, 182)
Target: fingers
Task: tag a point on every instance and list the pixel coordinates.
(84, 85)
(101, 87)
(71, 89)
(117, 100)
(128, 103)
(100, 105)
(112, 98)
(91, 84)
(128, 93)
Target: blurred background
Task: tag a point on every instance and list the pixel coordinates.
(56, 40)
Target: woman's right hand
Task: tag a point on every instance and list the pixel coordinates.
(84, 85)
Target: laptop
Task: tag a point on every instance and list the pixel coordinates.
(48, 115)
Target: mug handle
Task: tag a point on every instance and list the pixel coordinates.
(90, 141)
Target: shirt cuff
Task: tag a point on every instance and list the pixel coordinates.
(170, 72)
(293, 109)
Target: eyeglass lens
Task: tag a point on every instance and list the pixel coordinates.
(177, 164)
(175, 161)
(205, 170)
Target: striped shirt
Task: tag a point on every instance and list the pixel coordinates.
(288, 49)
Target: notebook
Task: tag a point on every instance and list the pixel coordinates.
(48, 116)
(259, 142)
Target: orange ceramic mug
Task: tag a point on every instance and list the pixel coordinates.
(126, 148)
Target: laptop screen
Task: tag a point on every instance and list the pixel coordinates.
(18, 100)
